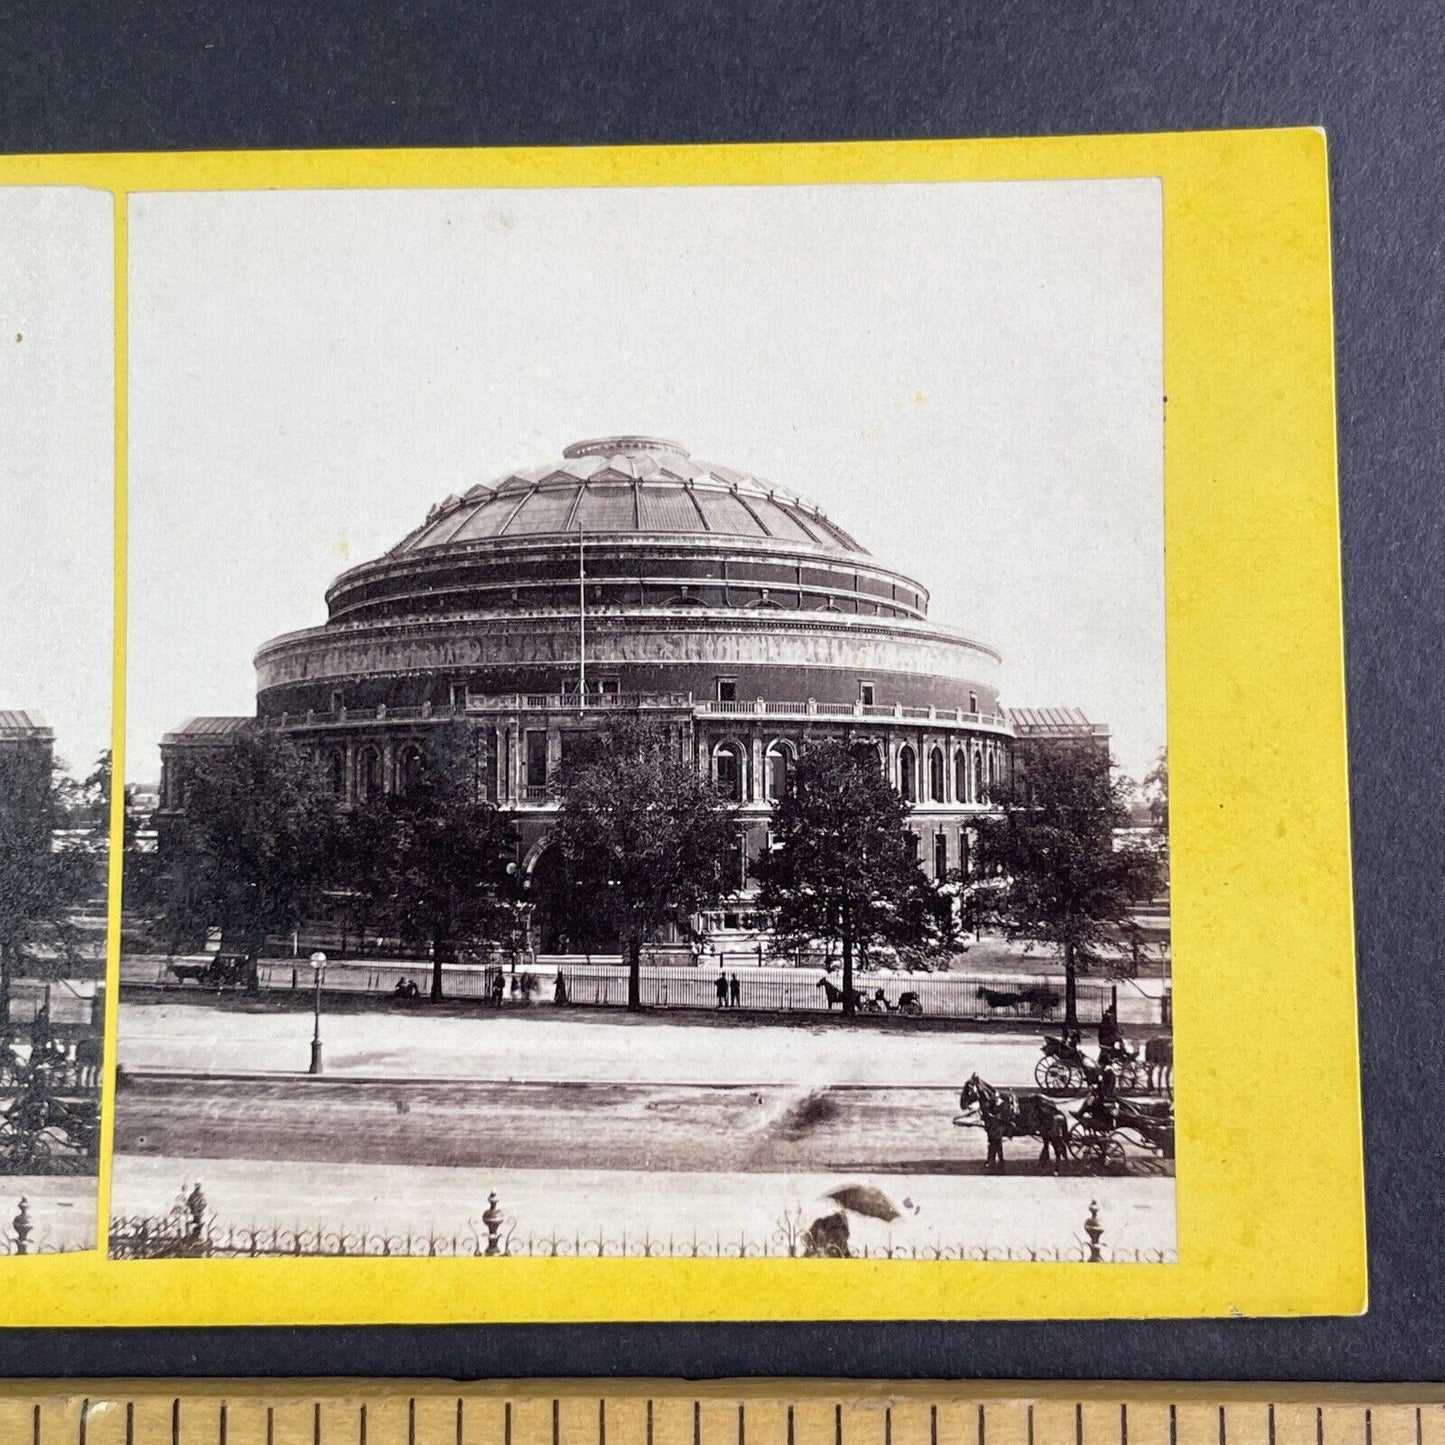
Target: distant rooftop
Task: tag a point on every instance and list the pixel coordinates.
(17, 726)
(195, 729)
(1055, 722)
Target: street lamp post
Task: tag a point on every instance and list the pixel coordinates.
(318, 967)
(519, 907)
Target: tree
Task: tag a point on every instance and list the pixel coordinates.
(1061, 876)
(40, 881)
(844, 864)
(432, 859)
(256, 843)
(649, 839)
(1156, 790)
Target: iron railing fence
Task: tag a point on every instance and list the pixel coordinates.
(189, 1231)
(970, 997)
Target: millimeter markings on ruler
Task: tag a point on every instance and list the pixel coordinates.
(737, 1413)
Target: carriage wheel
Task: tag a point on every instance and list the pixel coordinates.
(1052, 1073)
(29, 1150)
(912, 1009)
(1107, 1153)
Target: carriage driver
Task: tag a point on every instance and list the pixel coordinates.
(1102, 1103)
(1112, 1047)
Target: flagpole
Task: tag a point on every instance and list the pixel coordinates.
(582, 615)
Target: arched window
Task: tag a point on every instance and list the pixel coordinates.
(960, 776)
(992, 770)
(727, 772)
(907, 774)
(935, 775)
(368, 775)
(779, 765)
(940, 855)
(411, 768)
(978, 789)
(335, 773)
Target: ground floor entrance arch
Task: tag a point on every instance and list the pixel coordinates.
(564, 909)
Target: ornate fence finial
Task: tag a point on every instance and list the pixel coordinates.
(22, 1227)
(1095, 1231)
(493, 1220)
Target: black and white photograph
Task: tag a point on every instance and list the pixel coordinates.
(57, 383)
(646, 727)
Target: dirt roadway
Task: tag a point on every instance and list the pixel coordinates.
(762, 1128)
(200, 1036)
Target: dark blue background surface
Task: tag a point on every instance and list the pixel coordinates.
(225, 74)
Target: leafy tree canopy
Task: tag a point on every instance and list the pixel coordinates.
(844, 863)
(650, 839)
(1156, 789)
(1063, 878)
(431, 860)
(258, 840)
(41, 882)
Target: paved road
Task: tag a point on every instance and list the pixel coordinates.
(766, 1128)
(546, 1045)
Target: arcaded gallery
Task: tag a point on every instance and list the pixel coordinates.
(629, 577)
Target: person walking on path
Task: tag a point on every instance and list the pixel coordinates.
(722, 989)
(735, 992)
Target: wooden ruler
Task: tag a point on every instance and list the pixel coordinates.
(733, 1413)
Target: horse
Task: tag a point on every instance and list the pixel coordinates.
(834, 994)
(997, 998)
(88, 1055)
(1159, 1061)
(1007, 1114)
(1040, 997)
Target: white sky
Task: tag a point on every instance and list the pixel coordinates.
(57, 450)
(968, 377)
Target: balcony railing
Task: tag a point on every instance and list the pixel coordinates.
(769, 708)
(580, 702)
(635, 701)
(427, 712)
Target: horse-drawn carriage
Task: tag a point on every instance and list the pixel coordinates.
(909, 1004)
(44, 1128)
(63, 1066)
(1099, 1136)
(1065, 1066)
(223, 970)
(1093, 1131)
(1029, 1000)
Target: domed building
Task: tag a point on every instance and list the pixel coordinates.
(630, 577)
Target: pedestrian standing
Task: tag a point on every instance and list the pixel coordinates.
(722, 988)
(735, 992)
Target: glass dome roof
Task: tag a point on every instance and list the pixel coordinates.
(628, 484)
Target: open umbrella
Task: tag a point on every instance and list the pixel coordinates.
(864, 1199)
